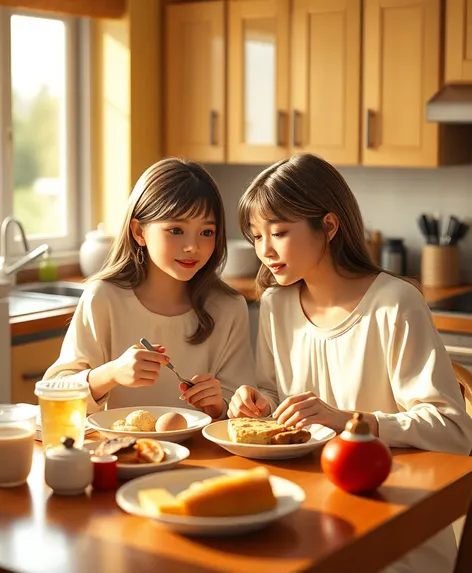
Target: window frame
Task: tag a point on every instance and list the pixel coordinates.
(78, 129)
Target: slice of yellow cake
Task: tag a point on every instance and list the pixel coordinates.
(244, 493)
(253, 430)
(229, 495)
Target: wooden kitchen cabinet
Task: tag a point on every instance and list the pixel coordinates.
(195, 81)
(293, 81)
(308, 101)
(325, 79)
(258, 80)
(401, 63)
(458, 41)
(29, 361)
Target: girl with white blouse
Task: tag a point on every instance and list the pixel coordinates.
(161, 282)
(338, 335)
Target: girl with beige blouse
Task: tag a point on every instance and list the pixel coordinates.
(338, 335)
(161, 282)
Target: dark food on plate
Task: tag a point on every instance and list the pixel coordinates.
(131, 451)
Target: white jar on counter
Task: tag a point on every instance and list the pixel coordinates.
(94, 250)
(242, 260)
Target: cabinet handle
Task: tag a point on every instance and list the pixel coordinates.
(280, 121)
(213, 118)
(369, 118)
(30, 376)
(296, 116)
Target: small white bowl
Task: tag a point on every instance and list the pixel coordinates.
(103, 420)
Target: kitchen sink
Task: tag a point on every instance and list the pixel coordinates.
(61, 288)
(29, 298)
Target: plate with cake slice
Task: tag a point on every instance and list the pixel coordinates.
(264, 438)
(211, 501)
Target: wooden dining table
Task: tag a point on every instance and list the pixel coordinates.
(333, 531)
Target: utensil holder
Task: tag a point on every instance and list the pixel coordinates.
(440, 266)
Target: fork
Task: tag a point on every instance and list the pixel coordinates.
(169, 365)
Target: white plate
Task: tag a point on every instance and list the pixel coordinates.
(175, 453)
(289, 497)
(103, 420)
(218, 433)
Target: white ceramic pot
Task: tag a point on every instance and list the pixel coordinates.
(94, 250)
(242, 260)
(68, 470)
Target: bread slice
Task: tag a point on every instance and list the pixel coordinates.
(253, 430)
(291, 437)
(222, 496)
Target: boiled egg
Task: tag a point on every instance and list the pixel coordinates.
(170, 422)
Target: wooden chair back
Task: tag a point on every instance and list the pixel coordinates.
(464, 556)
(464, 377)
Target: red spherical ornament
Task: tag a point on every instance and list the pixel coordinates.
(356, 461)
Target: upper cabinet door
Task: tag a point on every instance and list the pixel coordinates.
(258, 80)
(458, 41)
(195, 81)
(325, 79)
(401, 73)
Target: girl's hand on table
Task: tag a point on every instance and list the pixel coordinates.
(306, 408)
(205, 395)
(247, 402)
(138, 366)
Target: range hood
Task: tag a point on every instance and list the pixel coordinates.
(452, 104)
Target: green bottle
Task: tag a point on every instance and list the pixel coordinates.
(47, 269)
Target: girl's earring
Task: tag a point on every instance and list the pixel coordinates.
(140, 255)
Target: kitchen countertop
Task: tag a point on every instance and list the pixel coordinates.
(58, 319)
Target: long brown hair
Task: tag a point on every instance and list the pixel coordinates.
(307, 187)
(170, 189)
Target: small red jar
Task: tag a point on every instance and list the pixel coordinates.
(105, 472)
(356, 461)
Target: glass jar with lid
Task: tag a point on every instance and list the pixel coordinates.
(393, 256)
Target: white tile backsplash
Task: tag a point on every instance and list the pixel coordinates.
(390, 199)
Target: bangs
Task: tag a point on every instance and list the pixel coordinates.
(267, 202)
(189, 199)
(191, 203)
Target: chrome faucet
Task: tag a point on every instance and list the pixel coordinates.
(5, 270)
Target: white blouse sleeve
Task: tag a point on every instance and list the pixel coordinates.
(432, 411)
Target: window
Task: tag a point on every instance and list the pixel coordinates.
(40, 111)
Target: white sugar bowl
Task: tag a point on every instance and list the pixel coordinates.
(68, 470)
(94, 250)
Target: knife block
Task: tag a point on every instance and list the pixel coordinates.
(440, 266)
